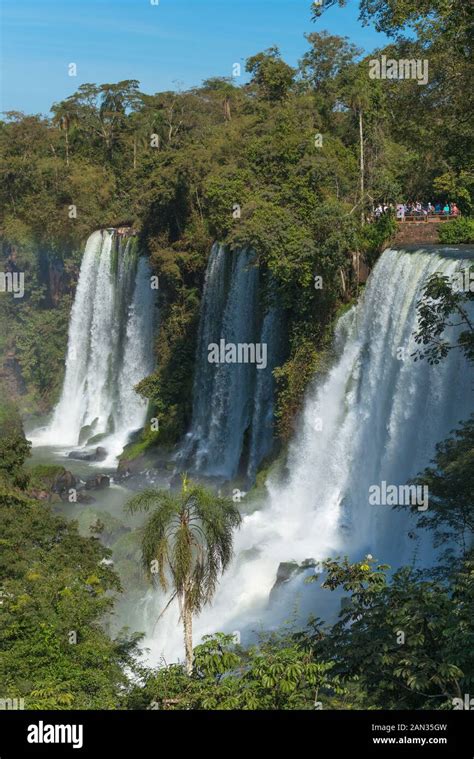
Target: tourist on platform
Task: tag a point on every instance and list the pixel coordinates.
(401, 209)
(455, 210)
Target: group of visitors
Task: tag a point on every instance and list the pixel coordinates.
(402, 210)
(427, 209)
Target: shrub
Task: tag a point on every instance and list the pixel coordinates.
(457, 231)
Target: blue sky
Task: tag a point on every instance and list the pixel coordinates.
(173, 45)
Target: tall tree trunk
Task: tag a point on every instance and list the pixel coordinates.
(134, 152)
(356, 266)
(67, 146)
(188, 635)
(362, 166)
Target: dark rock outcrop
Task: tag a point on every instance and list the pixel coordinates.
(100, 454)
(99, 482)
(287, 570)
(64, 481)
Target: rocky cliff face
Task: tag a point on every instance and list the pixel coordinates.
(49, 281)
(11, 380)
(412, 233)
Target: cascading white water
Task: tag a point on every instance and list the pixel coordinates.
(262, 433)
(377, 416)
(232, 400)
(109, 349)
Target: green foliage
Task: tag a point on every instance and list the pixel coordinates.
(362, 661)
(33, 347)
(292, 381)
(458, 185)
(457, 231)
(272, 76)
(56, 592)
(450, 483)
(147, 440)
(54, 584)
(169, 388)
(442, 305)
(327, 57)
(41, 342)
(440, 32)
(14, 448)
(375, 237)
(275, 674)
(406, 643)
(45, 475)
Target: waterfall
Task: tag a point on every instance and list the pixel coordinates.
(261, 439)
(376, 416)
(109, 348)
(232, 402)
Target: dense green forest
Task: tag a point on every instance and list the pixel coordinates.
(291, 165)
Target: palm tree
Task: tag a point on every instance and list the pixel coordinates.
(186, 545)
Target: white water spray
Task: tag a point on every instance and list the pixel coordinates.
(109, 349)
(232, 403)
(377, 416)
